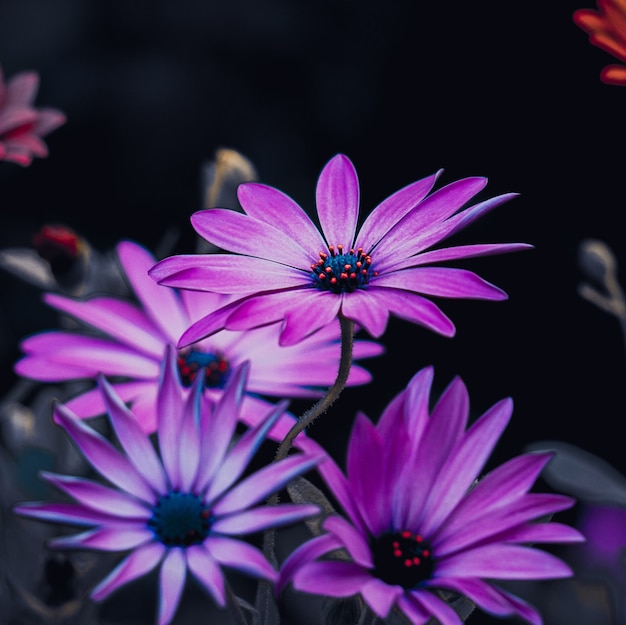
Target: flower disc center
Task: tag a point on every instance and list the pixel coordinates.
(180, 520)
(216, 367)
(342, 271)
(402, 559)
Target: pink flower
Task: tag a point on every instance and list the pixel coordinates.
(22, 126)
(607, 30)
(286, 270)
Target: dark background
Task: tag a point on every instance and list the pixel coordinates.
(509, 91)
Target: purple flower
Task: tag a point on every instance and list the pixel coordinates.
(136, 337)
(417, 521)
(22, 126)
(287, 270)
(183, 508)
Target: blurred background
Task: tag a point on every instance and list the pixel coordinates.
(509, 91)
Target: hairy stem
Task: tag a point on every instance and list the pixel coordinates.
(345, 362)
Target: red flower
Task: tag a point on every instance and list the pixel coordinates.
(22, 126)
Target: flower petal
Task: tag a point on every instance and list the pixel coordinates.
(240, 556)
(263, 482)
(84, 357)
(119, 319)
(161, 304)
(504, 562)
(226, 273)
(134, 441)
(208, 572)
(405, 237)
(112, 538)
(464, 463)
(306, 552)
(391, 210)
(331, 577)
(171, 584)
(337, 200)
(99, 497)
(264, 517)
(367, 481)
(354, 542)
(274, 207)
(236, 232)
(442, 282)
(239, 456)
(101, 454)
(140, 562)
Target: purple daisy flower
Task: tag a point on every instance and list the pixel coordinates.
(183, 508)
(287, 270)
(136, 337)
(417, 520)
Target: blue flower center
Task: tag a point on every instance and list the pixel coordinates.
(342, 272)
(215, 365)
(180, 520)
(402, 559)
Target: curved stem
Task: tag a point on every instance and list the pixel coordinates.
(345, 362)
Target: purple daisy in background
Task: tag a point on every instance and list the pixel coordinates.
(22, 126)
(183, 507)
(135, 338)
(285, 269)
(420, 522)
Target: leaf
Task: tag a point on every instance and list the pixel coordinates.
(581, 474)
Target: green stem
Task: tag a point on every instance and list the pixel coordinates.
(345, 362)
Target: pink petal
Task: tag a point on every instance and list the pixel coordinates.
(353, 541)
(140, 562)
(134, 441)
(208, 572)
(242, 234)
(392, 210)
(262, 483)
(218, 426)
(91, 403)
(91, 354)
(274, 207)
(99, 497)
(503, 562)
(264, 517)
(306, 552)
(367, 481)
(239, 456)
(380, 596)
(331, 578)
(22, 89)
(48, 119)
(171, 584)
(442, 432)
(442, 282)
(457, 252)
(115, 538)
(170, 406)
(119, 319)
(407, 233)
(226, 273)
(367, 310)
(240, 556)
(464, 463)
(161, 304)
(314, 310)
(337, 199)
(10, 119)
(105, 458)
